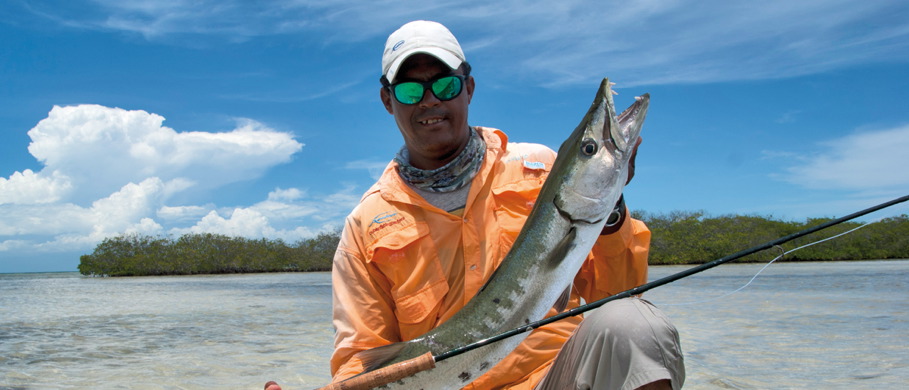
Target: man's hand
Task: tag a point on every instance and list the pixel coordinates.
(272, 385)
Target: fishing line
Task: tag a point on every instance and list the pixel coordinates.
(767, 265)
(662, 281)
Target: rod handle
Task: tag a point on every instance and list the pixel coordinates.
(385, 375)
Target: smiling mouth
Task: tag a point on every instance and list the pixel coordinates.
(430, 121)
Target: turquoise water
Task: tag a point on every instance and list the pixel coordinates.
(799, 325)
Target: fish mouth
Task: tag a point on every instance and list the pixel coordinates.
(631, 120)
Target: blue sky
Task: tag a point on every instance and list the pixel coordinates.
(263, 119)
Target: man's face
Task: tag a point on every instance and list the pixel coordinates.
(434, 131)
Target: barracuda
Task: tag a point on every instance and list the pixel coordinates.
(581, 190)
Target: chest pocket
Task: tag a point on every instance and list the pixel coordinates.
(516, 189)
(513, 203)
(408, 259)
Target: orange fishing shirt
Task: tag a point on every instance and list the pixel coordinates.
(404, 266)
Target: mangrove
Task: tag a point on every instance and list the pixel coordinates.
(678, 237)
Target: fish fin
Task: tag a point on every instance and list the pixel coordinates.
(562, 302)
(562, 248)
(376, 357)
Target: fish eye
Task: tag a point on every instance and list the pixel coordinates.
(588, 147)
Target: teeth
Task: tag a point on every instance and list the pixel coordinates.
(430, 121)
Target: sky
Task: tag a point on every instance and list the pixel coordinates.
(263, 119)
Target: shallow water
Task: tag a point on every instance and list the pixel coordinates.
(188, 332)
(799, 325)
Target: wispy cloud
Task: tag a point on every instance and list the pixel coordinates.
(708, 41)
(375, 168)
(872, 160)
(788, 116)
(566, 42)
(283, 97)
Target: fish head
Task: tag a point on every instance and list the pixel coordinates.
(591, 179)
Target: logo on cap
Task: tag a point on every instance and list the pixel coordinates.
(397, 45)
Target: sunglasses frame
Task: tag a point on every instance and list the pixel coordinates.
(427, 85)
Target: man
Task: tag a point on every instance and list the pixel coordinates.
(435, 226)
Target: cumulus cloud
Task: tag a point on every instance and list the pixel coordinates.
(241, 222)
(137, 208)
(91, 150)
(109, 171)
(132, 203)
(246, 222)
(278, 215)
(73, 227)
(28, 187)
(866, 160)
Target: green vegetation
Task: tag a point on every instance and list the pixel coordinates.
(694, 238)
(134, 255)
(678, 238)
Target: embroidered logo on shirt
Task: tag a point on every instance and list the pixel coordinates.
(384, 217)
(384, 221)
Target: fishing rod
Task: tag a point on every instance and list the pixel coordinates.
(427, 361)
(665, 280)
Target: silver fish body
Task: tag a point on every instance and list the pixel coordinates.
(582, 188)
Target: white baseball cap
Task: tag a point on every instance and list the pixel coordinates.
(420, 36)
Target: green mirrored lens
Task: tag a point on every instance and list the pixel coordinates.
(446, 88)
(409, 93)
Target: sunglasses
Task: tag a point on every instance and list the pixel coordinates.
(443, 88)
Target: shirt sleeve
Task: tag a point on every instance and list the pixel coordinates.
(617, 262)
(363, 314)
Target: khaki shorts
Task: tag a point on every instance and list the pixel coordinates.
(624, 344)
